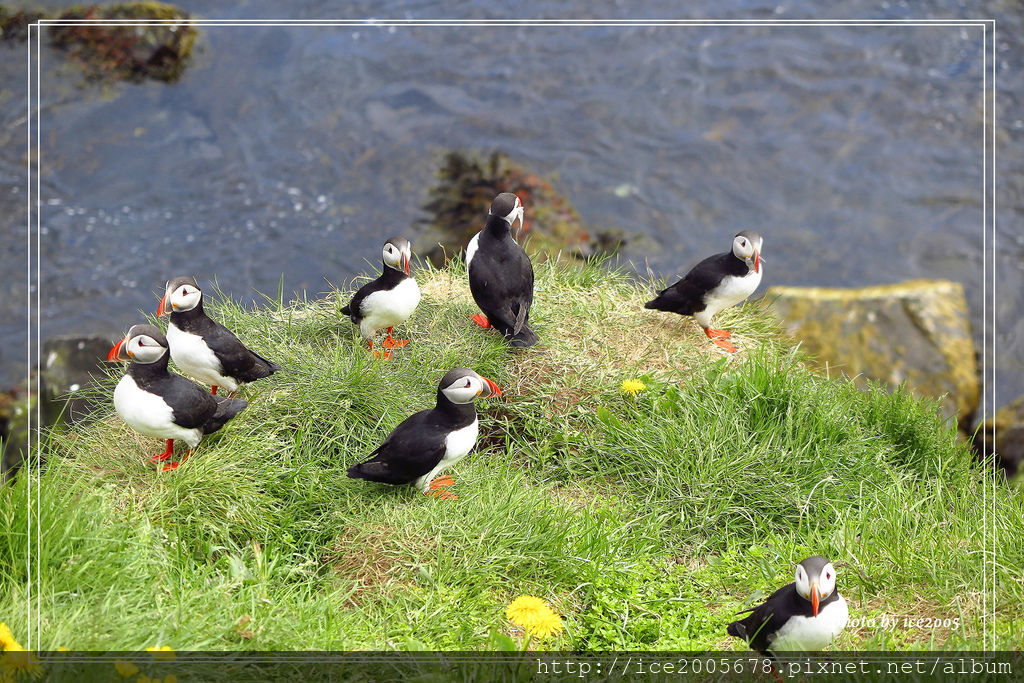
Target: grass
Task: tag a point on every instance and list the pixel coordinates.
(645, 521)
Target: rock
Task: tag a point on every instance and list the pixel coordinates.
(466, 187)
(70, 364)
(916, 332)
(158, 51)
(1004, 436)
(15, 407)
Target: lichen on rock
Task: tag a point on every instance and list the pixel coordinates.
(917, 332)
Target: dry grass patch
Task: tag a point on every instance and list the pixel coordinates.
(376, 559)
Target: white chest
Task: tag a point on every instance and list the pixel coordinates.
(474, 244)
(813, 633)
(732, 290)
(148, 414)
(390, 307)
(460, 442)
(190, 353)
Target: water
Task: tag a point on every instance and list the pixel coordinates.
(285, 153)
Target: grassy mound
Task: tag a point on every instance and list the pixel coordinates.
(647, 521)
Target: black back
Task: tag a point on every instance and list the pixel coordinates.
(767, 618)
(688, 296)
(501, 280)
(388, 279)
(417, 444)
(236, 360)
(191, 405)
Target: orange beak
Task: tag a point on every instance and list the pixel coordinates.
(119, 354)
(405, 262)
(162, 308)
(757, 262)
(814, 598)
(492, 388)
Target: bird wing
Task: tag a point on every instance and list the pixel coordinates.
(510, 282)
(191, 405)
(405, 455)
(767, 618)
(687, 295)
(236, 359)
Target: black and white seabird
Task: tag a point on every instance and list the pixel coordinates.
(156, 402)
(430, 441)
(501, 275)
(716, 283)
(804, 615)
(203, 348)
(389, 300)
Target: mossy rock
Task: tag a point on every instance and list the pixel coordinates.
(14, 23)
(916, 332)
(1003, 435)
(465, 189)
(15, 407)
(159, 51)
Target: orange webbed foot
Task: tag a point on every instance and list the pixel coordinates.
(390, 343)
(717, 334)
(727, 345)
(442, 482)
(482, 321)
(443, 494)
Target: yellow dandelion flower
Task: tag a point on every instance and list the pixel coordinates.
(13, 661)
(546, 624)
(7, 641)
(163, 651)
(126, 669)
(525, 609)
(632, 387)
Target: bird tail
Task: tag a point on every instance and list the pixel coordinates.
(271, 366)
(737, 629)
(654, 303)
(522, 334)
(373, 470)
(227, 408)
(525, 338)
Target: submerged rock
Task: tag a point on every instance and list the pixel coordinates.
(916, 332)
(1004, 436)
(159, 51)
(467, 185)
(63, 388)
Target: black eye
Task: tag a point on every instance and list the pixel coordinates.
(827, 575)
(468, 384)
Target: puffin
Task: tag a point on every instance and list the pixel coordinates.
(804, 615)
(716, 283)
(202, 347)
(501, 275)
(156, 402)
(430, 441)
(389, 300)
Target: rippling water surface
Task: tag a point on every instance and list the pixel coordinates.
(286, 152)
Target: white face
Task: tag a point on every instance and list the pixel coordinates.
(144, 349)
(743, 248)
(466, 388)
(397, 258)
(184, 298)
(825, 582)
(515, 213)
